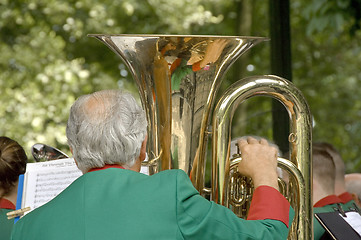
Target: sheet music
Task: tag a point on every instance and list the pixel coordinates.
(45, 180)
(354, 220)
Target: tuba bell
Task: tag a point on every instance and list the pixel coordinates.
(178, 77)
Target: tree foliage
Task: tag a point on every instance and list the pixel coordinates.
(47, 60)
(328, 74)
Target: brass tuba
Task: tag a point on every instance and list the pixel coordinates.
(178, 78)
(233, 190)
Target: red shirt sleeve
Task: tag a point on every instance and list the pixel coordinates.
(328, 200)
(345, 197)
(268, 203)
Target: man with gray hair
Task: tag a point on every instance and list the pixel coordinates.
(106, 128)
(107, 135)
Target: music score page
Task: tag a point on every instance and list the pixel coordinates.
(45, 180)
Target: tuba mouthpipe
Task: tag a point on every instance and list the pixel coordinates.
(300, 141)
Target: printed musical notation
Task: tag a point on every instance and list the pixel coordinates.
(45, 180)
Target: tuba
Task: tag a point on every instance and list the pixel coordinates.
(178, 77)
(232, 189)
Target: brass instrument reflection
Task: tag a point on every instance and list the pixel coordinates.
(299, 167)
(178, 77)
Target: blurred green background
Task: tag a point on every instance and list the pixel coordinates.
(47, 60)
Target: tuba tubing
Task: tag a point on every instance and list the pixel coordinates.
(300, 138)
(178, 92)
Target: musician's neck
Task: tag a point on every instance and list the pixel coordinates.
(12, 195)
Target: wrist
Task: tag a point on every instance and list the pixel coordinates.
(267, 179)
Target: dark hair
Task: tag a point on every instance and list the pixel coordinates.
(12, 163)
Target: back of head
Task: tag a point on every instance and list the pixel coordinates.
(12, 163)
(323, 169)
(106, 127)
(339, 165)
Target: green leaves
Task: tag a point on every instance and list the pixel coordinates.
(47, 61)
(336, 16)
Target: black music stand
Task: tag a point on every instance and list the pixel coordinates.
(335, 225)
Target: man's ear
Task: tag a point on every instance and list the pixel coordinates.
(143, 149)
(71, 150)
(143, 153)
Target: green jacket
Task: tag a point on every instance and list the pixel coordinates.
(6, 225)
(318, 230)
(123, 204)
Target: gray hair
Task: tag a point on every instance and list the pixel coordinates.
(106, 127)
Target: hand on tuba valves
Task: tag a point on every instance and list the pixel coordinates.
(259, 161)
